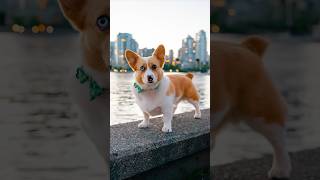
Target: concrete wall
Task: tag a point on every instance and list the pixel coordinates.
(135, 152)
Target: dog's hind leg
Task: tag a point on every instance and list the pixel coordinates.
(275, 134)
(197, 113)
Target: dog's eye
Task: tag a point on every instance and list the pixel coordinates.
(103, 23)
(154, 67)
(142, 68)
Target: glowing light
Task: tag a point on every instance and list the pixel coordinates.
(35, 29)
(215, 28)
(42, 28)
(21, 29)
(15, 28)
(231, 12)
(50, 29)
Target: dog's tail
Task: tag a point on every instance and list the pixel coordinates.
(189, 75)
(256, 44)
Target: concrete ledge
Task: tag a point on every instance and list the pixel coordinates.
(305, 166)
(134, 150)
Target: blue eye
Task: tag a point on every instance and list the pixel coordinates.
(103, 23)
(142, 68)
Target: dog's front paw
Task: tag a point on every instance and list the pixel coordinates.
(166, 129)
(197, 115)
(143, 124)
(278, 173)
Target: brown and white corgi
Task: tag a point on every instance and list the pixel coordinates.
(89, 82)
(243, 91)
(157, 93)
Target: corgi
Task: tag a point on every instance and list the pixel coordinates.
(89, 81)
(243, 91)
(157, 93)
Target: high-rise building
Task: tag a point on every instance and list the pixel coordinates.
(113, 54)
(145, 52)
(170, 57)
(201, 47)
(187, 52)
(125, 41)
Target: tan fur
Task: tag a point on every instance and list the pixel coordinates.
(256, 44)
(189, 75)
(135, 62)
(159, 53)
(159, 63)
(83, 14)
(241, 84)
(183, 87)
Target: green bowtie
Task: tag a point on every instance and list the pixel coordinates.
(139, 88)
(95, 89)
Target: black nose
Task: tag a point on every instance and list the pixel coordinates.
(150, 79)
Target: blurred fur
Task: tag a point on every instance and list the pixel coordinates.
(83, 15)
(243, 91)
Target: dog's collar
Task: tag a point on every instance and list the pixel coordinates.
(139, 89)
(95, 89)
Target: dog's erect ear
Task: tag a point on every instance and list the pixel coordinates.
(256, 44)
(160, 53)
(73, 10)
(132, 59)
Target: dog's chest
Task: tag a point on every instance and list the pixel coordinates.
(153, 101)
(150, 101)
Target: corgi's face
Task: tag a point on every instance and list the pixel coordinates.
(91, 19)
(148, 70)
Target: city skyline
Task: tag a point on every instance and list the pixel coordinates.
(160, 21)
(175, 51)
(192, 52)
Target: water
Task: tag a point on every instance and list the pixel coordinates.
(293, 63)
(124, 108)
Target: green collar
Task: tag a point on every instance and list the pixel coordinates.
(139, 89)
(95, 89)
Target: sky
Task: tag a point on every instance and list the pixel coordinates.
(154, 22)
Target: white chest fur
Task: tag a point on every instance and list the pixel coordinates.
(153, 101)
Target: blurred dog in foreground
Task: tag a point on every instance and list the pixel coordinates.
(91, 78)
(242, 91)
